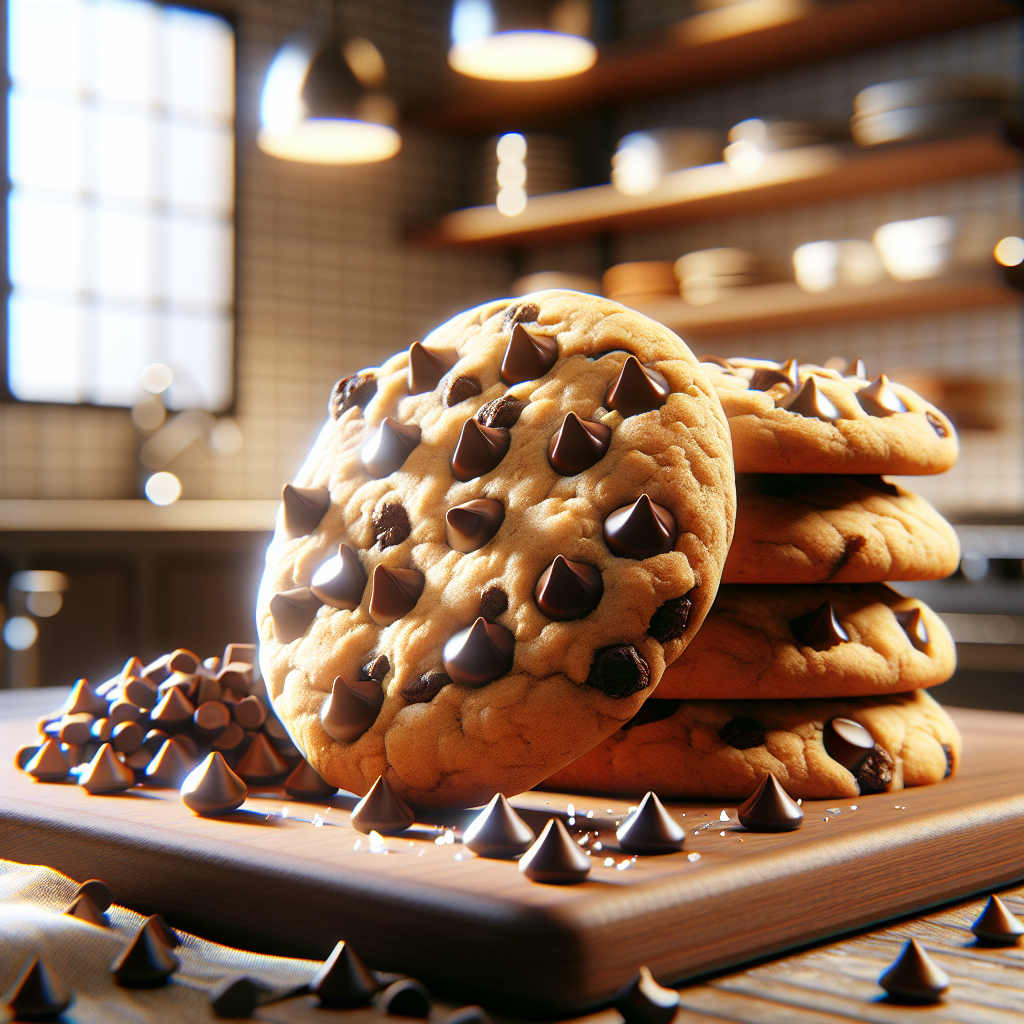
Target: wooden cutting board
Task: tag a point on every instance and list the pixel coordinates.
(262, 880)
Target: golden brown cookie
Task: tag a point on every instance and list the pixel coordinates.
(808, 419)
(797, 642)
(719, 750)
(497, 542)
(824, 528)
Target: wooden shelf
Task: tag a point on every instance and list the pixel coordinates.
(792, 177)
(716, 46)
(98, 515)
(774, 307)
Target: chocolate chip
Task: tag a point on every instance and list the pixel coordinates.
(493, 603)
(636, 389)
(578, 445)
(742, 734)
(340, 581)
(770, 808)
(819, 628)
(376, 670)
(479, 654)
(425, 688)
(810, 401)
(469, 526)
(765, 378)
(106, 774)
(497, 831)
(261, 764)
(147, 962)
(460, 389)
(351, 391)
(388, 447)
(641, 530)
(394, 593)
(914, 977)
(343, 980)
(670, 620)
(479, 450)
(521, 312)
(292, 612)
(914, 626)
(847, 742)
(568, 590)
(948, 751)
(426, 369)
(643, 1001)
(304, 507)
(878, 399)
(391, 524)
(655, 709)
(305, 783)
(405, 998)
(528, 357)
(234, 997)
(650, 829)
(98, 891)
(84, 909)
(381, 810)
(351, 709)
(996, 925)
(875, 772)
(501, 412)
(555, 857)
(619, 671)
(37, 993)
(937, 425)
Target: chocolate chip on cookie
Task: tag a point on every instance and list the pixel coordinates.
(819, 628)
(502, 412)
(461, 388)
(426, 368)
(423, 689)
(619, 671)
(376, 669)
(304, 507)
(875, 772)
(493, 603)
(670, 620)
(391, 524)
(742, 734)
(350, 392)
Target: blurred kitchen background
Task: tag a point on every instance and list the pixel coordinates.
(192, 264)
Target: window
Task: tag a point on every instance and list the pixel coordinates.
(120, 232)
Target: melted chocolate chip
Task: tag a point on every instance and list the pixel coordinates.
(650, 829)
(479, 654)
(351, 391)
(521, 312)
(497, 831)
(37, 993)
(343, 980)
(643, 1001)
(381, 810)
(388, 447)
(847, 742)
(426, 369)
(555, 858)
(394, 593)
(636, 389)
(742, 733)
(528, 356)
(568, 590)
(501, 412)
(351, 709)
(493, 604)
(213, 788)
(914, 626)
(810, 401)
(670, 620)
(619, 671)
(391, 524)
(996, 924)
(936, 424)
(578, 445)
(770, 808)
(878, 399)
(292, 612)
(469, 526)
(641, 530)
(914, 977)
(875, 772)
(460, 389)
(479, 450)
(304, 507)
(819, 628)
(654, 709)
(425, 688)
(340, 581)
(376, 670)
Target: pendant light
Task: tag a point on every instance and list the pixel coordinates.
(521, 40)
(323, 102)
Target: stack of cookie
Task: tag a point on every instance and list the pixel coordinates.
(808, 666)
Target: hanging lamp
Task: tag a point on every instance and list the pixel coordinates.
(521, 40)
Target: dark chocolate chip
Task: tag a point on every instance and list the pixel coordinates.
(394, 593)
(304, 507)
(343, 980)
(479, 654)
(388, 447)
(670, 620)
(352, 391)
(636, 389)
(875, 771)
(643, 1001)
(650, 830)
(469, 526)
(127, 737)
(555, 858)
(995, 924)
(147, 962)
(479, 450)
(376, 670)
(578, 445)
(810, 401)
(641, 530)
(770, 808)
(654, 709)
(948, 751)
(98, 891)
(619, 671)
(351, 709)
(493, 604)
(340, 581)
(847, 742)
(878, 399)
(234, 998)
(528, 356)
(937, 425)
(568, 590)
(381, 810)
(521, 312)
(85, 910)
(501, 412)
(391, 524)
(742, 733)
(914, 626)
(170, 764)
(405, 998)
(426, 369)
(460, 389)
(914, 977)
(305, 783)
(819, 628)
(425, 688)
(37, 993)
(292, 612)
(497, 831)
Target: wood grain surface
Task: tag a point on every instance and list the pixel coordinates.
(282, 884)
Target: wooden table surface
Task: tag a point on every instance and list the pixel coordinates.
(276, 882)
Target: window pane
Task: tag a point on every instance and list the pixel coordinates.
(200, 169)
(200, 56)
(123, 52)
(198, 349)
(199, 263)
(124, 345)
(124, 155)
(124, 254)
(46, 343)
(45, 143)
(45, 244)
(43, 44)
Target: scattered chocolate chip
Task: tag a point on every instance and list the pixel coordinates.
(211, 718)
(847, 742)
(653, 710)
(521, 312)
(124, 711)
(36, 993)
(83, 699)
(555, 858)
(914, 977)
(878, 399)
(619, 671)
(304, 507)
(235, 998)
(98, 892)
(426, 369)
(568, 590)
(948, 751)
(351, 391)
(670, 620)
(391, 524)
(650, 829)
(643, 1001)
(127, 737)
(460, 389)
(85, 910)
(147, 962)
(343, 980)
(213, 788)
(528, 356)
(996, 924)
(230, 739)
(914, 626)
(636, 389)
(856, 370)
(141, 692)
(493, 604)
(641, 530)
(76, 729)
(578, 445)
(388, 447)
(381, 810)
(48, 764)
(170, 764)
(497, 831)
(292, 612)
(478, 654)
(183, 661)
(106, 774)
(479, 450)
(937, 425)
(819, 628)
(875, 771)
(425, 688)
(770, 808)
(810, 401)
(260, 765)
(742, 734)
(764, 378)
(305, 783)
(376, 669)
(339, 582)
(172, 714)
(394, 593)
(469, 526)
(351, 709)
(405, 998)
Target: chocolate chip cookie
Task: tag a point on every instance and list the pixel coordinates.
(498, 541)
(788, 418)
(817, 749)
(835, 529)
(796, 642)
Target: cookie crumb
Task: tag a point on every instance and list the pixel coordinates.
(493, 603)
(350, 391)
(460, 389)
(742, 734)
(376, 670)
(391, 525)
(669, 621)
(501, 412)
(424, 689)
(875, 774)
(619, 671)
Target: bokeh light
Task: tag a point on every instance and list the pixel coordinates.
(163, 488)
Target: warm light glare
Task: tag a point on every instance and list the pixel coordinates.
(20, 633)
(511, 174)
(913, 250)
(163, 488)
(332, 141)
(511, 201)
(511, 148)
(1009, 251)
(44, 604)
(637, 165)
(820, 266)
(744, 157)
(156, 377)
(523, 56)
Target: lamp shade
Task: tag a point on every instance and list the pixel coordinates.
(521, 40)
(323, 103)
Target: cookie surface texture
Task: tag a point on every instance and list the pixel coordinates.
(836, 529)
(690, 753)
(761, 643)
(833, 428)
(443, 484)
